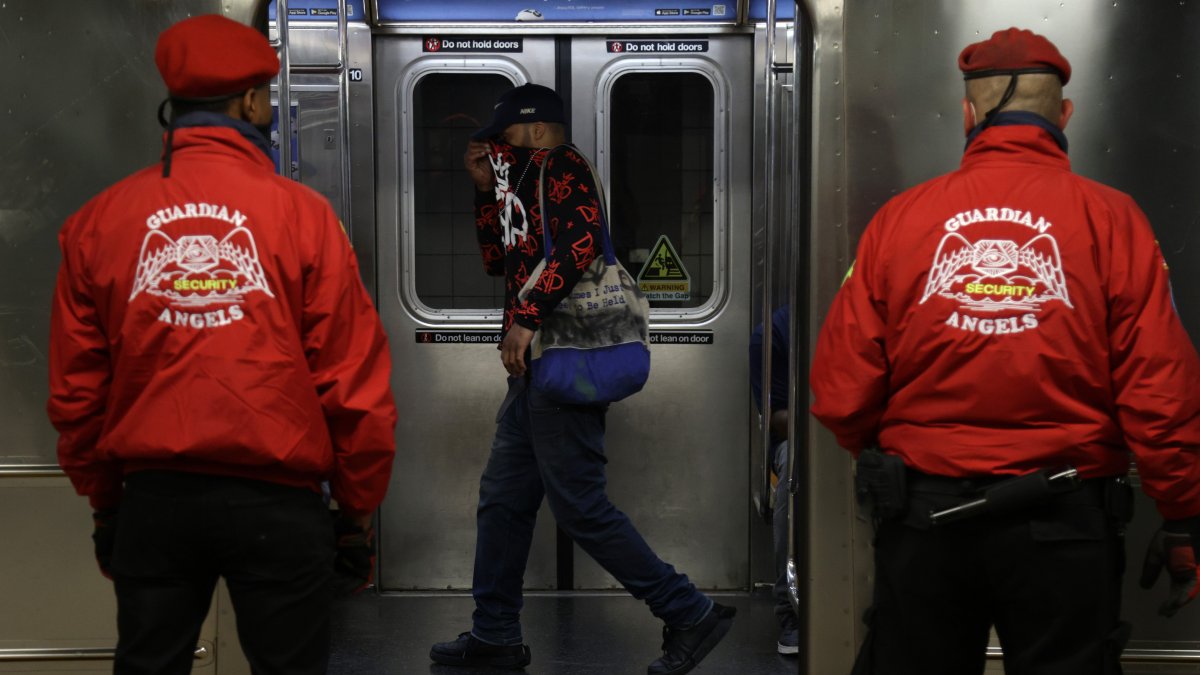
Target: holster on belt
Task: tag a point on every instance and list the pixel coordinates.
(880, 484)
(1012, 495)
(1118, 500)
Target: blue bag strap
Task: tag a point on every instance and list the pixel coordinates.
(610, 255)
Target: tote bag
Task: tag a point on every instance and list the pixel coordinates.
(594, 348)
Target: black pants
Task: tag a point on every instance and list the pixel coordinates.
(1049, 580)
(177, 533)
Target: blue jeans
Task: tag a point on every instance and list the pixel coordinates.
(543, 448)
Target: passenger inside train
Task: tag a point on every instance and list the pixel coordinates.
(543, 447)
(789, 628)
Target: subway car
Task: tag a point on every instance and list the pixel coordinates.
(744, 146)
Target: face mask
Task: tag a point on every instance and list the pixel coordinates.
(502, 149)
(502, 154)
(514, 155)
(514, 167)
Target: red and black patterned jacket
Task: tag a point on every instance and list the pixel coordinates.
(508, 222)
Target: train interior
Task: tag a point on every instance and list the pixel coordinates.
(744, 147)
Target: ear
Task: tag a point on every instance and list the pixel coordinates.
(1068, 109)
(538, 131)
(247, 105)
(969, 122)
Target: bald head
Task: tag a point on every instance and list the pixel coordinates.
(1039, 93)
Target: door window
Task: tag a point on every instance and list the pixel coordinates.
(660, 140)
(447, 109)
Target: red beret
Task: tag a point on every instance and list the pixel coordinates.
(1013, 50)
(210, 56)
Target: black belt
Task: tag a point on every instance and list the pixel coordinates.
(168, 483)
(940, 500)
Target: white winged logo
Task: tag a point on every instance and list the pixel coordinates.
(996, 274)
(198, 270)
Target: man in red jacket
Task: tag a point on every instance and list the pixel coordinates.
(214, 358)
(1011, 319)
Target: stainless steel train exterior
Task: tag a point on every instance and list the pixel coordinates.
(747, 146)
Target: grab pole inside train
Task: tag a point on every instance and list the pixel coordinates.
(798, 274)
(285, 90)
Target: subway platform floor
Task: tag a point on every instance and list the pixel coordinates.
(576, 633)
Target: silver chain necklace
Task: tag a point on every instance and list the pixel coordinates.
(527, 165)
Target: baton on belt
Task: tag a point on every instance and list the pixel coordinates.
(1012, 495)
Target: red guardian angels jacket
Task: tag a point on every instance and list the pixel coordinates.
(214, 322)
(1011, 316)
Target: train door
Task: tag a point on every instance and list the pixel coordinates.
(440, 310)
(658, 116)
(672, 145)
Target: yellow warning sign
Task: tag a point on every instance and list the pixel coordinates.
(663, 276)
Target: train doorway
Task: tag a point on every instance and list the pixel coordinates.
(655, 115)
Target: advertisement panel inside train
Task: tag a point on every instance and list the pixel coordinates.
(561, 11)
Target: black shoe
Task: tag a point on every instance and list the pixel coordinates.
(470, 651)
(683, 649)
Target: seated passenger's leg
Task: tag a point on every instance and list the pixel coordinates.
(789, 636)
